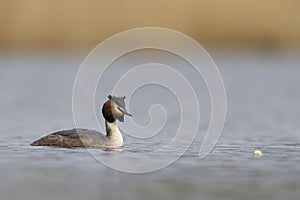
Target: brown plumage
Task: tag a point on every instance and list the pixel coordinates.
(70, 138)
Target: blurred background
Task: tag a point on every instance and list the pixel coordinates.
(255, 44)
(80, 23)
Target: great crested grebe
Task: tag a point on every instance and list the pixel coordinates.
(112, 110)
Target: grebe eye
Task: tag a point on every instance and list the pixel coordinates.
(121, 109)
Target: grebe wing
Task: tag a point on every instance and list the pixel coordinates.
(71, 138)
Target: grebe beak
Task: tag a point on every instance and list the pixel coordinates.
(124, 111)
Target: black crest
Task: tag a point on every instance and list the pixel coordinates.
(119, 100)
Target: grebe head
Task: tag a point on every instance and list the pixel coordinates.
(114, 109)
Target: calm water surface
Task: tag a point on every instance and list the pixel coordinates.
(263, 112)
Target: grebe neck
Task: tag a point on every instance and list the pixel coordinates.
(112, 130)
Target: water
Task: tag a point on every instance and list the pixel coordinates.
(263, 113)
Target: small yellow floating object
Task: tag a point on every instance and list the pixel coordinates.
(257, 153)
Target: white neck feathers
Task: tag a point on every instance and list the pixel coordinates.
(113, 133)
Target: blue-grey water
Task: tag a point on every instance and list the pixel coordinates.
(263, 94)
